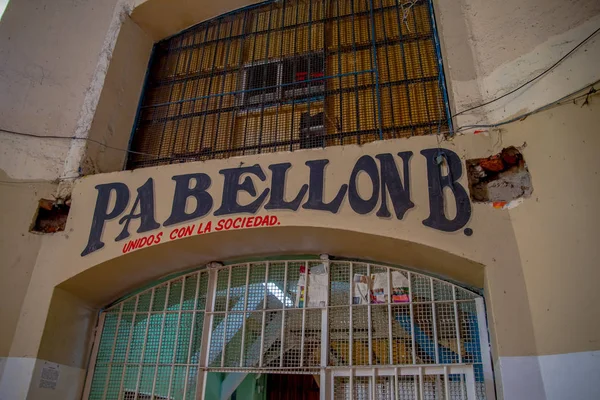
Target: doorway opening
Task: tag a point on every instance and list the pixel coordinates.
(354, 330)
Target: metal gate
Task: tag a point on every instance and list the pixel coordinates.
(390, 333)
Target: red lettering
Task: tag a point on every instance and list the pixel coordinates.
(273, 220)
(250, 222)
(208, 227)
(265, 221)
(236, 223)
(258, 221)
(173, 234)
(220, 225)
(125, 247)
(228, 223)
(189, 230)
(159, 237)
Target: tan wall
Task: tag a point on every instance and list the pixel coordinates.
(18, 247)
(48, 54)
(118, 101)
(556, 230)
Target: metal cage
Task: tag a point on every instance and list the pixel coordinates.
(403, 336)
(292, 74)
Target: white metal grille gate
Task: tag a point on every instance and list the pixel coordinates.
(390, 333)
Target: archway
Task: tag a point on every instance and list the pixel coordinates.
(389, 333)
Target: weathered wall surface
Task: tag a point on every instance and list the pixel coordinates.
(19, 248)
(556, 232)
(48, 55)
(491, 47)
(118, 101)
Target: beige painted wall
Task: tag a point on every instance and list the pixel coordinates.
(48, 54)
(557, 230)
(118, 101)
(19, 248)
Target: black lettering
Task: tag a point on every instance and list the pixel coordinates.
(391, 182)
(358, 204)
(183, 192)
(277, 200)
(101, 213)
(232, 186)
(145, 199)
(316, 187)
(437, 218)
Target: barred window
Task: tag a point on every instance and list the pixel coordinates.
(292, 74)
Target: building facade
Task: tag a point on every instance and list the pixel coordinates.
(345, 198)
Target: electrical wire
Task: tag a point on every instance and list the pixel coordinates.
(75, 138)
(590, 90)
(562, 100)
(532, 79)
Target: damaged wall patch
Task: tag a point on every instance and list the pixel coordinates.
(500, 179)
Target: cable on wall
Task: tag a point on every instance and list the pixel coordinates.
(532, 79)
(563, 100)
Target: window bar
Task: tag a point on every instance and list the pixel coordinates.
(350, 319)
(245, 316)
(412, 10)
(198, 86)
(369, 316)
(295, 54)
(183, 93)
(457, 325)
(403, 56)
(446, 384)
(304, 303)
(352, 383)
(374, 384)
(94, 356)
(210, 84)
(160, 338)
(323, 15)
(309, 57)
(264, 316)
(226, 316)
(412, 319)
(389, 70)
(442, 76)
(262, 106)
(340, 120)
(112, 352)
(280, 73)
(355, 71)
(486, 360)
(211, 291)
(247, 72)
(139, 377)
(133, 318)
(325, 339)
(421, 384)
(177, 334)
(164, 127)
(471, 393)
(390, 317)
(397, 384)
(376, 68)
(283, 312)
(435, 322)
(224, 78)
(237, 99)
(205, 334)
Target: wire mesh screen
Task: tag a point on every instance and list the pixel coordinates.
(421, 335)
(289, 75)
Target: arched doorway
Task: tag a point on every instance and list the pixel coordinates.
(389, 333)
